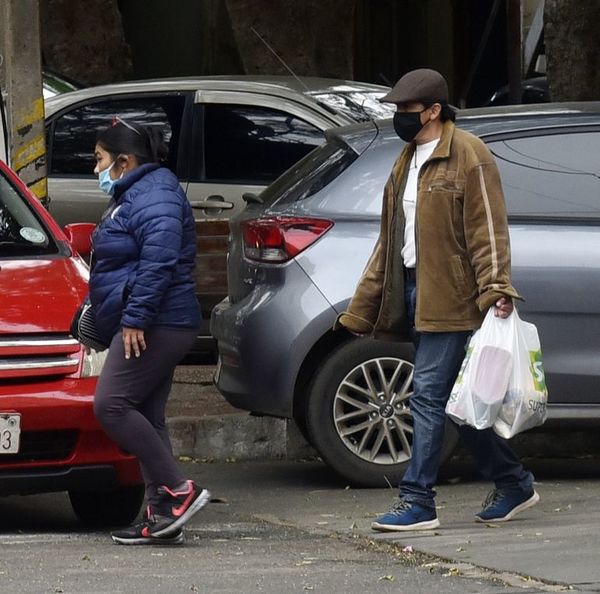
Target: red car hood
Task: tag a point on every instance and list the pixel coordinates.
(40, 295)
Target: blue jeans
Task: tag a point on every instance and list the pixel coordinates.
(439, 356)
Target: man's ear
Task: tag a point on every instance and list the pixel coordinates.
(436, 110)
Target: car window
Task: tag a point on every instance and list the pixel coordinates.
(74, 132)
(361, 106)
(551, 175)
(21, 232)
(248, 144)
(311, 174)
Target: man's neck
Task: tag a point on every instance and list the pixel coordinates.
(432, 131)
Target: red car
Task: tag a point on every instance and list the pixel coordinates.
(49, 438)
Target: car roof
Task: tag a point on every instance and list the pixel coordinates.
(485, 121)
(284, 86)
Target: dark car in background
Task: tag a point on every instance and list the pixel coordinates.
(227, 137)
(296, 258)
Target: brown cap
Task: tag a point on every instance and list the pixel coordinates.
(419, 85)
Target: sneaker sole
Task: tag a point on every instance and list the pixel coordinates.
(198, 504)
(168, 541)
(429, 525)
(514, 511)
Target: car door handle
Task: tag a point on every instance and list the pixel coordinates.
(212, 202)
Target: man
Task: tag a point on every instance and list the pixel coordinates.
(441, 261)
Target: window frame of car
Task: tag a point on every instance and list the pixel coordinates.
(182, 166)
(308, 112)
(536, 132)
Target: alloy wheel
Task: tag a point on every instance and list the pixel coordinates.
(371, 412)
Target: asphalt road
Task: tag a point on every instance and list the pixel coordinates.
(293, 527)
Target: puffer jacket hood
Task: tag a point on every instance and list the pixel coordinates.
(144, 255)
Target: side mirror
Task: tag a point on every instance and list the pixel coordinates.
(79, 236)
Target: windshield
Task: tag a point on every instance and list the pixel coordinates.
(360, 106)
(21, 233)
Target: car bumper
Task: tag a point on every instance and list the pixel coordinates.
(61, 445)
(263, 340)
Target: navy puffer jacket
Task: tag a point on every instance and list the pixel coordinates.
(144, 255)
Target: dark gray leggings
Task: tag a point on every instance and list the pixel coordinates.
(131, 397)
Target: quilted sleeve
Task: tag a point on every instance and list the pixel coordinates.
(156, 223)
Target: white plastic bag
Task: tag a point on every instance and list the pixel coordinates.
(524, 404)
(483, 379)
(501, 382)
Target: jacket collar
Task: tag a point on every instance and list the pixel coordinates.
(123, 184)
(442, 149)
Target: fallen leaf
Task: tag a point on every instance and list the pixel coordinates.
(460, 550)
(387, 578)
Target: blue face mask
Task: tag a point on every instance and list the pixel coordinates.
(105, 182)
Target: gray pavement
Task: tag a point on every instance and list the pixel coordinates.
(552, 547)
(279, 526)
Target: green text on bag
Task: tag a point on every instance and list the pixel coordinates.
(537, 371)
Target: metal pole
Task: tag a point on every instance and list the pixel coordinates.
(514, 21)
(21, 85)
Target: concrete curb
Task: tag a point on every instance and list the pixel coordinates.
(204, 426)
(237, 436)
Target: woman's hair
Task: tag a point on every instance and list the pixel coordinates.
(125, 138)
(448, 112)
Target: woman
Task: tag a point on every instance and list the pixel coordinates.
(143, 296)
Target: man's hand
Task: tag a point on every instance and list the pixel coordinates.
(133, 340)
(504, 307)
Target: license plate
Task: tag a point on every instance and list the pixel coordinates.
(10, 433)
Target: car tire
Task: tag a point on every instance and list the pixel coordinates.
(360, 423)
(103, 509)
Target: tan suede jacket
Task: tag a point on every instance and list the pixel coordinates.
(462, 243)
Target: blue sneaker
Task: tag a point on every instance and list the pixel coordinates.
(502, 505)
(404, 515)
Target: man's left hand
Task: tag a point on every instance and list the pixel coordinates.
(504, 307)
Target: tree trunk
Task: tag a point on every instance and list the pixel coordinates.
(572, 49)
(313, 37)
(84, 40)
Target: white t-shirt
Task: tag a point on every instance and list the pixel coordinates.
(409, 200)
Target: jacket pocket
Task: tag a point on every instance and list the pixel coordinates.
(458, 270)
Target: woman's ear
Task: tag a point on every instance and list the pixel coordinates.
(123, 162)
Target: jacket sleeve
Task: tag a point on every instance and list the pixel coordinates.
(486, 233)
(363, 309)
(157, 225)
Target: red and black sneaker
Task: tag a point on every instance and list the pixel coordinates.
(176, 508)
(139, 534)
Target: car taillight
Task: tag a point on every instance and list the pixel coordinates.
(279, 239)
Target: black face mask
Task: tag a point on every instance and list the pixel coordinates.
(408, 124)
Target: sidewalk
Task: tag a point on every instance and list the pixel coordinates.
(551, 547)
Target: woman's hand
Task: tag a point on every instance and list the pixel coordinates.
(133, 340)
(504, 307)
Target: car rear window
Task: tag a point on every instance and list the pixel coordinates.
(310, 175)
(21, 232)
(553, 175)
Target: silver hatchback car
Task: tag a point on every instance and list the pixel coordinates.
(295, 259)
